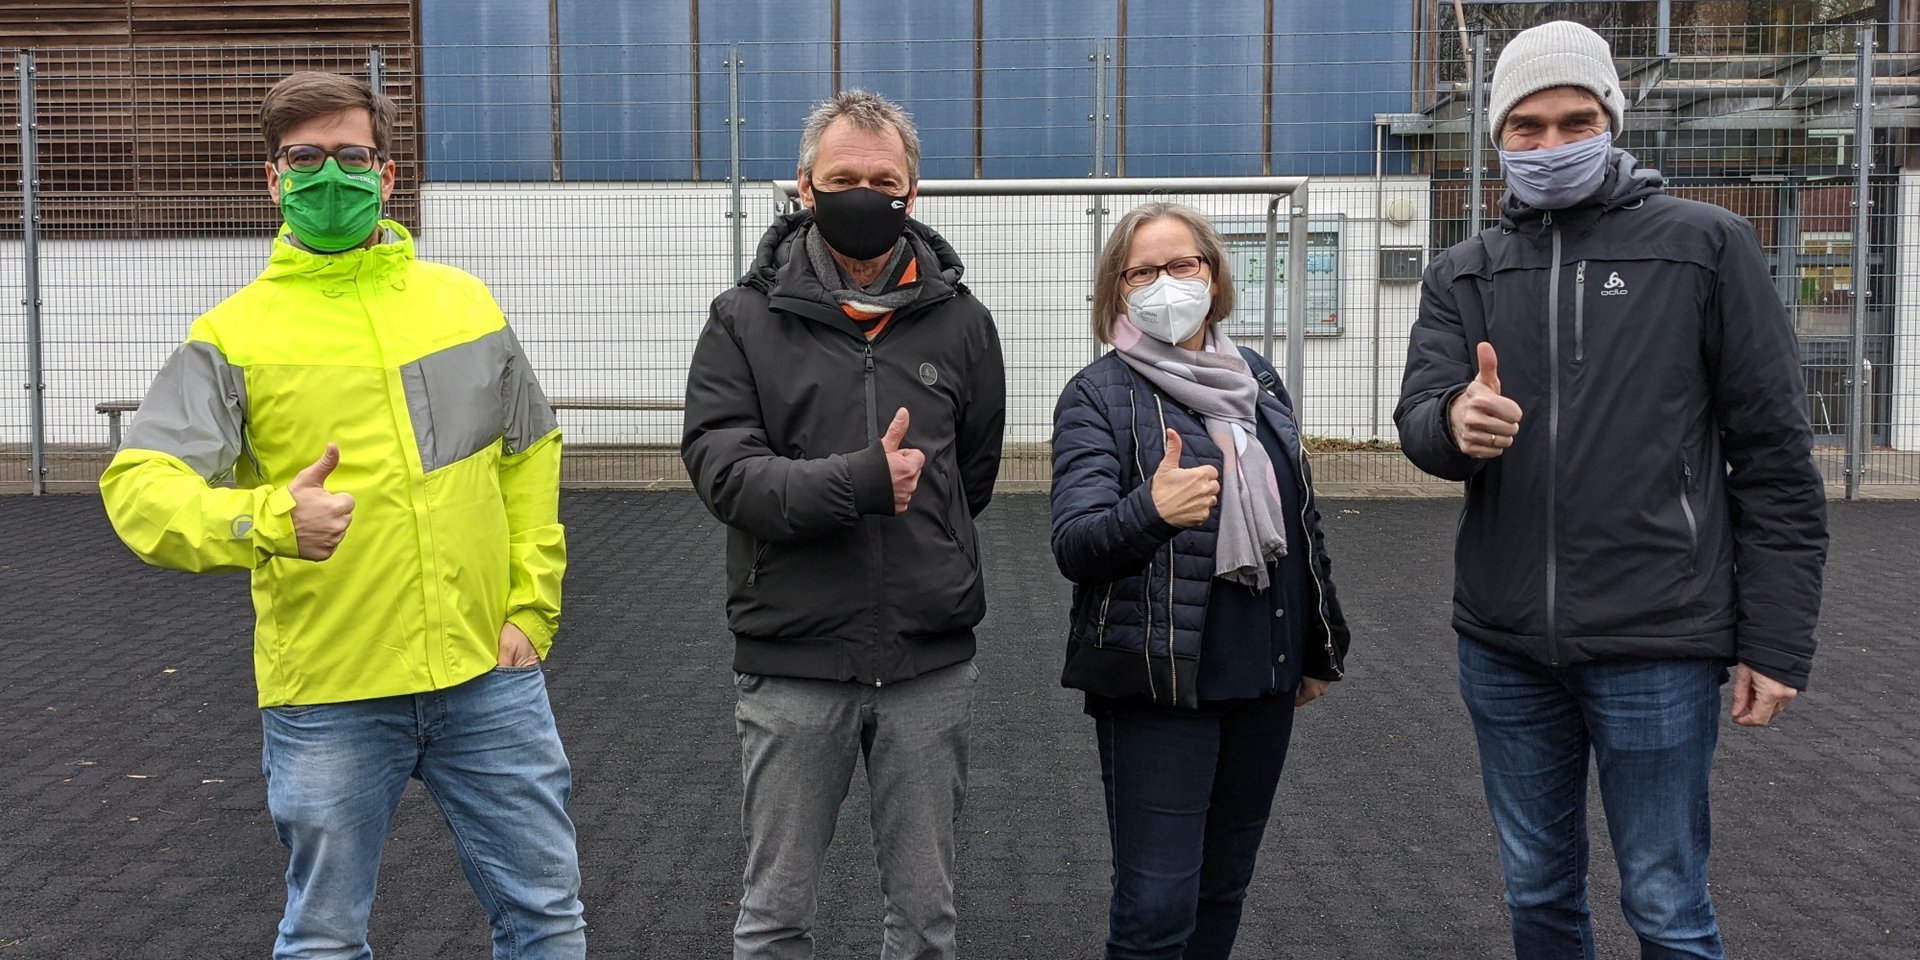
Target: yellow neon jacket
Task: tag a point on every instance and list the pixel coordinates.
(447, 444)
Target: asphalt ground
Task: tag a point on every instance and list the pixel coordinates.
(133, 821)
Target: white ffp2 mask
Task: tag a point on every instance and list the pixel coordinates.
(1170, 310)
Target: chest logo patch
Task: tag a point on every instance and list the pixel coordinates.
(928, 375)
(1614, 287)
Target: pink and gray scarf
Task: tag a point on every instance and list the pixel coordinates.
(1217, 383)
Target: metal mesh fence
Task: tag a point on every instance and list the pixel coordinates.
(607, 192)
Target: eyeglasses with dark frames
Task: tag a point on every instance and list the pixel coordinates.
(1179, 268)
(306, 157)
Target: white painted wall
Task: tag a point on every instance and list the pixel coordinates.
(1906, 318)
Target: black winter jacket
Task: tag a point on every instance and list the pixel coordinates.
(786, 403)
(1141, 585)
(1661, 498)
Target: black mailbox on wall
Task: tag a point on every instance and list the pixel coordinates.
(1400, 263)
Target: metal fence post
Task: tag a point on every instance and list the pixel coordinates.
(1269, 298)
(376, 68)
(1097, 204)
(36, 386)
(1297, 302)
(736, 212)
(1476, 132)
(1857, 374)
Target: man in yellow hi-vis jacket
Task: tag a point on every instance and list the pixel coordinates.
(395, 494)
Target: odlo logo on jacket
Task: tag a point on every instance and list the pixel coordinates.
(1614, 287)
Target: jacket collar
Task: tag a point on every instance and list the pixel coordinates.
(1626, 184)
(378, 263)
(782, 271)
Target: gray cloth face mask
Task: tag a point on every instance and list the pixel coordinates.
(1559, 177)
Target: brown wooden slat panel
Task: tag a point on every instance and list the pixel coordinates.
(37, 23)
(149, 108)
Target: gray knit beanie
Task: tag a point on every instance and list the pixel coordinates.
(1557, 54)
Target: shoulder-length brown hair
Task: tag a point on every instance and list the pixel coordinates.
(1107, 302)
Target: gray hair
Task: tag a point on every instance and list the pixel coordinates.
(868, 111)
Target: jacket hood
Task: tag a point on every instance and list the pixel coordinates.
(381, 259)
(780, 265)
(1626, 183)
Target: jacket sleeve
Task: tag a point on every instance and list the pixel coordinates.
(1777, 498)
(530, 491)
(1438, 369)
(983, 422)
(738, 475)
(188, 433)
(1101, 531)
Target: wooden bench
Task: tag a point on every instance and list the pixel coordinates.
(115, 409)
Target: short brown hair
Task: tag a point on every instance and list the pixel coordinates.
(303, 96)
(1113, 259)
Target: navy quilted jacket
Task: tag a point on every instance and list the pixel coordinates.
(1140, 584)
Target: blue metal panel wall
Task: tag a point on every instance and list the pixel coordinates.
(789, 69)
(1194, 83)
(488, 108)
(1335, 66)
(1193, 76)
(626, 91)
(921, 56)
(1039, 86)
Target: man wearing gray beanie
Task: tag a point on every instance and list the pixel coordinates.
(1613, 377)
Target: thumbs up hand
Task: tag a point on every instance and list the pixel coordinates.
(1484, 422)
(320, 518)
(903, 464)
(1183, 495)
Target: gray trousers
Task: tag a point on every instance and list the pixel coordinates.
(799, 741)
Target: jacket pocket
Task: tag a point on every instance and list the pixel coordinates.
(759, 557)
(1580, 313)
(1686, 510)
(959, 520)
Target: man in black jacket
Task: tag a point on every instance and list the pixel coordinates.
(844, 414)
(1610, 372)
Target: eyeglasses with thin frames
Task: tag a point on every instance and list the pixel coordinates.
(307, 157)
(1179, 268)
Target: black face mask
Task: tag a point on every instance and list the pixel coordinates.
(858, 222)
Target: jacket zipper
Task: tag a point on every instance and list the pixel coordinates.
(873, 538)
(1686, 507)
(1553, 448)
(1146, 643)
(1173, 668)
(759, 556)
(873, 421)
(1320, 591)
(1580, 313)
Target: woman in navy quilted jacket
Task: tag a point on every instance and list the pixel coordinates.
(1203, 607)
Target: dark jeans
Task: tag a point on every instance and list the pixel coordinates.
(1188, 794)
(1650, 726)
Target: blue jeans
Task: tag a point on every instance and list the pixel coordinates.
(1651, 726)
(490, 757)
(1188, 795)
(800, 740)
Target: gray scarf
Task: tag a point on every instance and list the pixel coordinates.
(874, 300)
(1220, 386)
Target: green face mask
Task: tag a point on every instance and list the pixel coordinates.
(329, 209)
